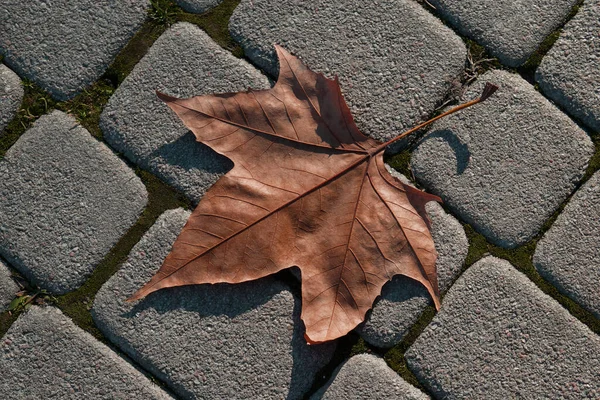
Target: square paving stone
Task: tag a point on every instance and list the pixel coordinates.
(367, 377)
(11, 95)
(509, 30)
(65, 45)
(183, 62)
(403, 300)
(44, 355)
(506, 165)
(8, 287)
(568, 255)
(569, 73)
(209, 341)
(497, 336)
(65, 201)
(395, 60)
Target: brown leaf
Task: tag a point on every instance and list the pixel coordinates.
(308, 189)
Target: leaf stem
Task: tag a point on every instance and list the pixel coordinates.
(489, 89)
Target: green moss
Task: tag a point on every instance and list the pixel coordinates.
(521, 258)
(216, 24)
(395, 356)
(400, 162)
(87, 106)
(594, 164)
(76, 304)
(133, 52)
(347, 346)
(480, 58)
(359, 347)
(6, 320)
(527, 70)
(163, 12)
(36, 103)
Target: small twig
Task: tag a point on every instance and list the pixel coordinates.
(489, 90)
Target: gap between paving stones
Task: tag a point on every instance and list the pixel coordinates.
(87, 107)
(527, 70)
(479, 247)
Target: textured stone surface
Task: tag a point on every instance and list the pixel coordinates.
(506, 165)
(497, 336)
(65, 200)
(66, 45)
(209, 341)
(183, 62)
(11, 94)
(569, 74)
(45, 356)
(568, 255)
(368, 377)
(403, 300)
(8, 288)
(510, 30)
(198, 6)
(394, 59)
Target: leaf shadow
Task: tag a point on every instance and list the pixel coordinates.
(397, 309)
(233, 301)
(461, 150)
(188, 154)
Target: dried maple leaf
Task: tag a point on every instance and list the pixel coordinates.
(308, 189)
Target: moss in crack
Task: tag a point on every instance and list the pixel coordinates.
(521, 258)
(133, 52)
(527, 70)
(87, 106)
(594, 164)
(36, 103)
(163, 12)
(400, 162)
(77, 304)
(395, 356)
(216, 24)
(347, 346)
(7, 318)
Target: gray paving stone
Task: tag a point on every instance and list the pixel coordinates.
(183, 62)
(66, 45)
(569, 74)
(209, 341)
(403, 300)
(509, 30)
(506, 165)
(44, 355)
(198, 6)
(568, 254)
(497, 336)
(395, 60)
(11, 95)
(8, 287)
(65, 200)
(366, 377)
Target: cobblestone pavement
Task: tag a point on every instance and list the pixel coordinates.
(97, 178)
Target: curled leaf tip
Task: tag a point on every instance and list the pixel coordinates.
(489, 90)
